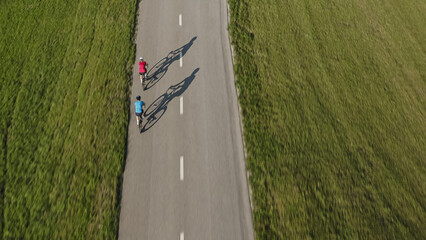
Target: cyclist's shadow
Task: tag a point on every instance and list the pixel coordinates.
(157, 109)
(157, 72)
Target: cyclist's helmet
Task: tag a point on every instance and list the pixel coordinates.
(138, 98)
(141, 58)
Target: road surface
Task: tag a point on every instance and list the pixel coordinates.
(185, 173)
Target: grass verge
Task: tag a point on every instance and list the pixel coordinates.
(64, 81)
(333, 97)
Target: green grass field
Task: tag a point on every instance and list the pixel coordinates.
(333, 96)
(64, 79)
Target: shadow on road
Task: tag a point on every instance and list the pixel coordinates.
(157, 109)
(157, 72)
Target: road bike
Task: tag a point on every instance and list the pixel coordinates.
(143, 80)
(139, 120)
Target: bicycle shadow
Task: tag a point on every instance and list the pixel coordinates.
(157, 109)
(160, 68)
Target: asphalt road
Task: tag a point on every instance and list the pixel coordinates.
(185, 174)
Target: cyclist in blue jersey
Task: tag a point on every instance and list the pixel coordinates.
(139, 109)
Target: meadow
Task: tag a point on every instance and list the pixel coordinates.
(333, 97)
(65, 70)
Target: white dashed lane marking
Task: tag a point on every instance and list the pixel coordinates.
(181, 105)
(181, 168)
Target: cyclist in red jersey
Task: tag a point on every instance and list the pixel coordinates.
(142, 69)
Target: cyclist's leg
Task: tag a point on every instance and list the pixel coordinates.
(141, 118)
(143, 76)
